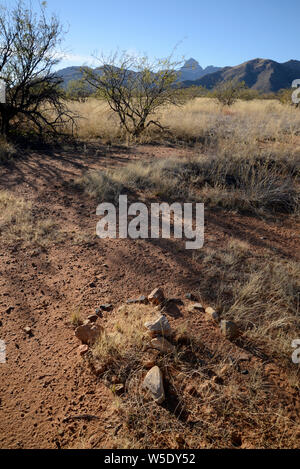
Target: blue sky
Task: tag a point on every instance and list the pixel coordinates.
(214, 32)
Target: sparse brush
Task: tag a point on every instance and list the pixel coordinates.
(17, 223)
(243, 183)
(202, 121)
(100, 185)
(258, 292)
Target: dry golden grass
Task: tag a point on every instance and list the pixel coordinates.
(125, 339)
(258, 291)
(249, 158)
(253, 184)
(202, 120)
(209, 403)
(76, 319)
(17, 223)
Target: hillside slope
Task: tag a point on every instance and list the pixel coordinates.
(259, 74)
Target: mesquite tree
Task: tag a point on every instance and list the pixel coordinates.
(228, 92)
(135, 88)
(28, 53)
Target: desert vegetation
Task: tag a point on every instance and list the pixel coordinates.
(77, 330)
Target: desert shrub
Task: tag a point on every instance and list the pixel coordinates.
(228, 92)
(134, 88)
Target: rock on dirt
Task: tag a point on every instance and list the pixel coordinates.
(157, 296)
(229, 329)
(163, 345)
(82, 350)
(153, 382)
(88, 333)
(159, 327)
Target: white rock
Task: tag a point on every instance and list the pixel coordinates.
(153, 382)
(159, 326)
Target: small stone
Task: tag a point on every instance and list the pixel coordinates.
(98, 312)
(82, 350)
(229, 329)
(156, 297)
(163, 345)
(153, 382)
(159, 327)
(179, 439)
(212, 314)
(88, 333)
(92, 285)
(28, 330)
(107, 307)
(93, 318)
(9, 309)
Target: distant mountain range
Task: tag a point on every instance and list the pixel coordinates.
(260, 74)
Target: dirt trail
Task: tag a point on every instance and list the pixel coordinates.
(44, 384)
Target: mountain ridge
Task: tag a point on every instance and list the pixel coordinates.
(264, 75)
